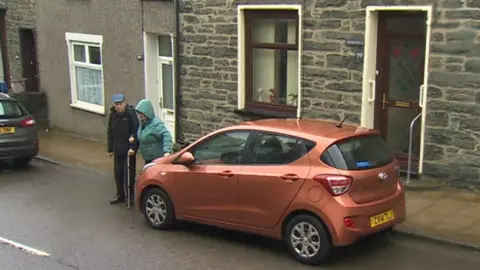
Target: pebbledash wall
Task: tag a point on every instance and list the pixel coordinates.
(332, 79)
(20, 15)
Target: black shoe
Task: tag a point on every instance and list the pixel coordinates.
(117, 200)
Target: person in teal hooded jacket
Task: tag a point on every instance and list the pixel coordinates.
(154, 138)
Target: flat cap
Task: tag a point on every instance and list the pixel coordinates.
(118, 98)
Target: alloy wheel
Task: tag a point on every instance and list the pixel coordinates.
(305, 240)
(156, 209)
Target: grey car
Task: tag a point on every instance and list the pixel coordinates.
(18, 133)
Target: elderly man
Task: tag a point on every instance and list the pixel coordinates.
(122, 124)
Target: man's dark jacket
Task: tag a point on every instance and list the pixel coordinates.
(120, 127)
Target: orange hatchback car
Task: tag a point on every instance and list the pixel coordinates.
(315, 184)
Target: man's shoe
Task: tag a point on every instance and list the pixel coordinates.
(117, 200)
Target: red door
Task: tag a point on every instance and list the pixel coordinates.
(268, 186)
(400, 68)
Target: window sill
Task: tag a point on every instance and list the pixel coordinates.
(89, 108)
(265, 113)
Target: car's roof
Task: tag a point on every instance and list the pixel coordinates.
(312, 129)
(4, 96)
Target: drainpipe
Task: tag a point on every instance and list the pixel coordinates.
(176, 63)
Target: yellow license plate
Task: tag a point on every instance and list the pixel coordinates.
(7, 130)
(382, 218)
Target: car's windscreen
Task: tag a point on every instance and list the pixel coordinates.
(10, 109)
(358, 153)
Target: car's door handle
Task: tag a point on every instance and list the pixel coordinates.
(226, 174)
(290, 176)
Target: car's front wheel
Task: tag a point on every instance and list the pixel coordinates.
(158, 209)
(308, 240)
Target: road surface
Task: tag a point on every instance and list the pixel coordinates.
(65, 213)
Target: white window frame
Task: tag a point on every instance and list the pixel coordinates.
(241, 49)
(165, 58)
(168, 60)
(84, 40)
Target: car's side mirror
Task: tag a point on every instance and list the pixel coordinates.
(185, 159)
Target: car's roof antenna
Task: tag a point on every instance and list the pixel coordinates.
(341, 122)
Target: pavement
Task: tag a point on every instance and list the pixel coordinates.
(64, 212)
(434, 211)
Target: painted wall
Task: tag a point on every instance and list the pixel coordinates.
(120, 24)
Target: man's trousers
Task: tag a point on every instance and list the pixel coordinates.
(121, 170)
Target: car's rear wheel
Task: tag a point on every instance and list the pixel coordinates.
(158, 209)
(308, 240)
(20, 163)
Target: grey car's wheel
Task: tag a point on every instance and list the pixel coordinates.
(308, 240)
(20, 163)
(157, 209)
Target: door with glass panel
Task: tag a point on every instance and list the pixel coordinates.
(166, 87)
(400, 81)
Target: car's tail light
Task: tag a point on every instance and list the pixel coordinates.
(28, 122)
(335, 184)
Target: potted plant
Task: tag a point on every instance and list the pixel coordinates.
(293, 98)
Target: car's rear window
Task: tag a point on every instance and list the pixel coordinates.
(358, 153)
(11, 109)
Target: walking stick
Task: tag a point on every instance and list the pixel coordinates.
(127, 191)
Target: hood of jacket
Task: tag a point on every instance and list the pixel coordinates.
(145, 107)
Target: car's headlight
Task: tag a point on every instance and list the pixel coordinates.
(146, 167)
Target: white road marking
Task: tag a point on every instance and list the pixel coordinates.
(24, 248)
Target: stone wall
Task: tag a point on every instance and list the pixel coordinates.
(332, 77)
(453, 125)
(20, 14)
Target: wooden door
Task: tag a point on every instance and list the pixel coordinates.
(29, 59)
(400, 71)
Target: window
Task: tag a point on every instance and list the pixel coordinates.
(86, 72)
(278, 149)
(165, 64)
(165, 46)
(225, 148)
(11, 109)
(358, 153)
(272, 57)
(166, 81)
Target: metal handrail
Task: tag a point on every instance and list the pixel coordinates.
(410, 142)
